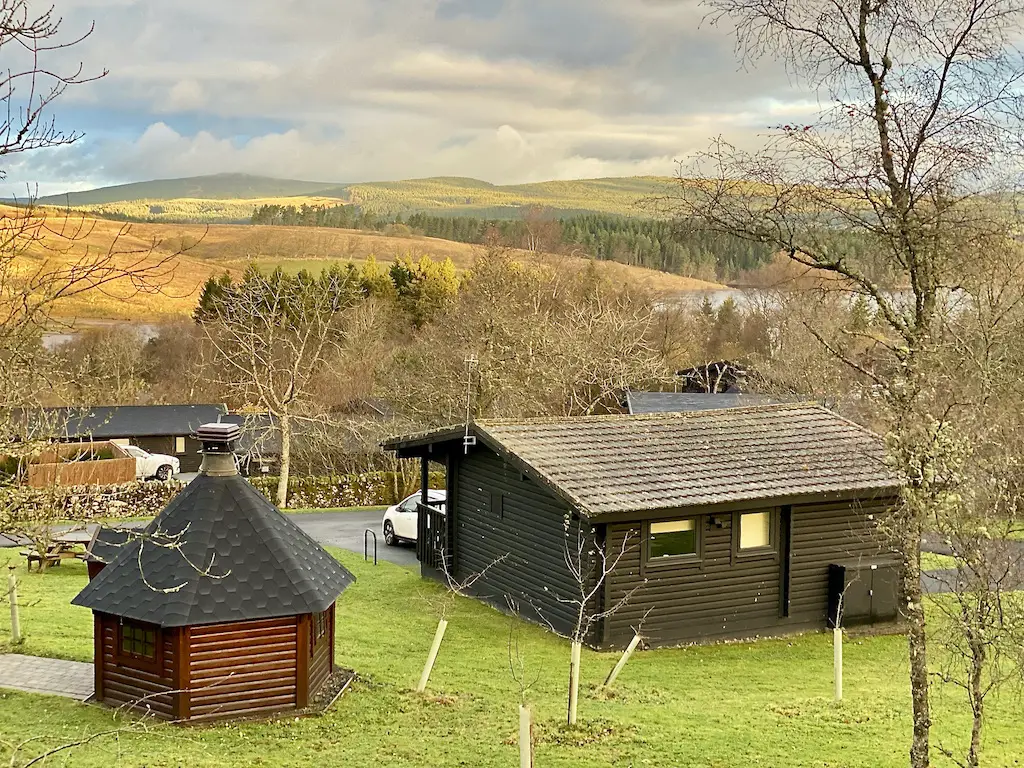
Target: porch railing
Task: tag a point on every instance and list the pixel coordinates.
(433, 544)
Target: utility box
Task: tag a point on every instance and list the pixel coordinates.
(863, 591)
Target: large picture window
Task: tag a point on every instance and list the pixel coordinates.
(673, 538)
(756, 531)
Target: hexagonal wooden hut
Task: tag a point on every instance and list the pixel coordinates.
(223, 607)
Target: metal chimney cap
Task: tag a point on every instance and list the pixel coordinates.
(218, 433)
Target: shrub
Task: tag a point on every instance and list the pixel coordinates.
(362, 490)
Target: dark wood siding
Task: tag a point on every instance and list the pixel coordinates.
(243, 668)
(322, 660)
(823, 534)
(132, 686)
(727, 595)
(499, 512)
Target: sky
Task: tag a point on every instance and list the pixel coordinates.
(508, 91)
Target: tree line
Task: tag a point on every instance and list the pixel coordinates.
(650, 243)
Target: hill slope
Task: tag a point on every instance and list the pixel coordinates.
(221, 186)
(231, 197)
(209, 250)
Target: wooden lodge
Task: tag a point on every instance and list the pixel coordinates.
(731, 523)
(221, 608)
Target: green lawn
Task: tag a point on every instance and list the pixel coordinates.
(933, 562)
(730, 705)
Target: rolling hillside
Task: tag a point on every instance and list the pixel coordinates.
(221, 186)
(205, 250)
(232, 197)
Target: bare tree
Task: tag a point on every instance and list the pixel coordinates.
(589, 563)
(920, 122)
(271, 337)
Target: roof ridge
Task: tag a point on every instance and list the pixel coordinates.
(632, 417)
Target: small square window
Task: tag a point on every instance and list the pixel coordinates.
(138, 641)
(755, 530)
(179, 445)
(673, 538)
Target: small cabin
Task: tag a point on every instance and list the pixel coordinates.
(222, 607)
(720, 524)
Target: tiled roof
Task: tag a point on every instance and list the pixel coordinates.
(615, 464)
(676, 402)
(106, 422)
(219, 552)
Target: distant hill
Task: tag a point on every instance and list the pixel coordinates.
(470, 197)
(226, 197)
(221, 186)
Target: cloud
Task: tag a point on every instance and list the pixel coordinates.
(505, 90)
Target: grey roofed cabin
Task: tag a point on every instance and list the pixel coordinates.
(733, 522)
(677, 402)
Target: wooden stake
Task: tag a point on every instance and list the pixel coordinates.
(525, 737)
(622, 661)
(574, 681)
(442, 625)
(837, 661)
(12, 595)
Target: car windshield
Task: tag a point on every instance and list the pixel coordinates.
(138, 453)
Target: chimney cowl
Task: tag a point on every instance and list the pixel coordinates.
(218, 438)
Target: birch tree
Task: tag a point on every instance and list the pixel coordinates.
(889, 192)
(272, 336)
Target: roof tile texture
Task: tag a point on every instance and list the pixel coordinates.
(614, 464)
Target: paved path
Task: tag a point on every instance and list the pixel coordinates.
(57, 677)
(346, 530)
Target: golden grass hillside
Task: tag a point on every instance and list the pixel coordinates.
(200, 251)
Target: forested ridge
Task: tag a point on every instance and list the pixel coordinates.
(637, 241)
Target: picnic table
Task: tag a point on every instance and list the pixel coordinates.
(63, 547)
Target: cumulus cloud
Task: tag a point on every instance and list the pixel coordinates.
(504, 90)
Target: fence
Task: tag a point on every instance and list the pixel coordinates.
(75, 464)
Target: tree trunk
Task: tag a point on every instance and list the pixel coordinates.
(917, 646)
(285, 423)
(574, 680)
(977, 700)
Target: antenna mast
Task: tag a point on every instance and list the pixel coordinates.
(469, 440)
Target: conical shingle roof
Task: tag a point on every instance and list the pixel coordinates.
(219, 552)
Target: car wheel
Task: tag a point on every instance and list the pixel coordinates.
(163, 474)
(389, 534)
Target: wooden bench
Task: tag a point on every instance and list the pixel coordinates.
(53, 556)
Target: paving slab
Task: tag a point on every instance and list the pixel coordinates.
(57, 677)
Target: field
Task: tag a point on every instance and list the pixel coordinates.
(200, 251)
(445, 195)
(723, 706)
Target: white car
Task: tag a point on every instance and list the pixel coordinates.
(156, 465)
(400, 520)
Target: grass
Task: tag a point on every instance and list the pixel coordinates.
(335, 509)
(723, 706)
(930, 561)
(201, 251)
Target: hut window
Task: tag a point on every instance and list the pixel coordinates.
(138, 640)
(179, 445)
(756, 530)
(321, 628)
(672, 538)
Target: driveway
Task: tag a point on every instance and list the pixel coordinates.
(346, 530)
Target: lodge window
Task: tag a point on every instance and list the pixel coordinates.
(179, 445)
(321, 629)
(138, 644)
(498, 504)
(756, 532)
(673, 539)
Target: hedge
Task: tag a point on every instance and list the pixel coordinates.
(363, 490)
(87, 502)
